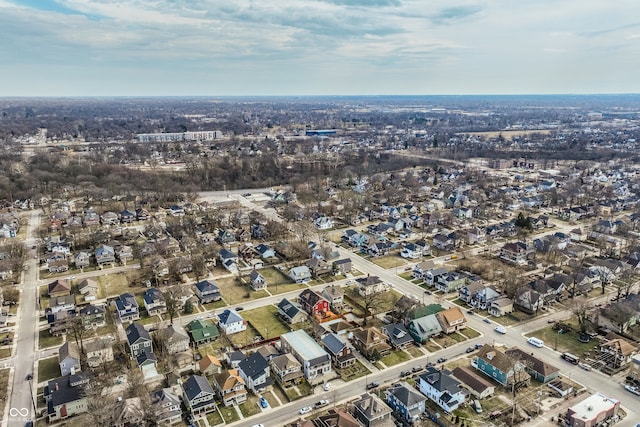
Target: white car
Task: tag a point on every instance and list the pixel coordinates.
(500, 329)
(327, 387)
(305, 410)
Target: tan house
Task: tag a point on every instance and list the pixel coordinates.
(88, 288)
(371, 342)
(286, 369)
(335, 295)
(616, 352)
(230, 387)
(501, 306)
(99, 351)
(59, 288)
(175, 339)
(209, 365)
(452, 320)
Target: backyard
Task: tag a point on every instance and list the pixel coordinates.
(278, 283)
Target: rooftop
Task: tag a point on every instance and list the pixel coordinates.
(304, 345)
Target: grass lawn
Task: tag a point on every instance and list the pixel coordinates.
(395, 357)
(353, 372)
(234, 293)
(271, 399)
(5, 352)
(4, 386)
(212, 348)
(273, 276)
(567, 342)
(265, 320)
(229, 414)
(118, 283)
(431, 346)
(148, 320)
(305, 388)
(214, 418)
(407, 275)
(415, 352)
(389, 261)
(292, 393)
(448, 340)
(512, 318)
(244, 338)
(285, 287)
(470, 333)
(276, 390)
(250, 407)
(389, 300)
(48, 369)
(214, 305)
(46, 340)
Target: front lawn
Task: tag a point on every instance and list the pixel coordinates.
(214, 418)
(229, 414)
(415, 352)
(271, 399)
(250, 407)
(48, 369)
(470, 333)
(4, 386)
(353, 372)
(395, 357)
(266, 321)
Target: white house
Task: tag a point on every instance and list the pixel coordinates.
(231, 322)
(442, 388)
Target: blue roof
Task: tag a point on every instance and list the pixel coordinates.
(229, 316)
(205, 286)
(333, 343)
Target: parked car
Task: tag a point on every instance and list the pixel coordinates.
(500, 329)
(263, 403)
(239, 308)
(632, 389)
(404, 374)
(305, 410)
(585, 366)
(321, 403)
(29, 377)
(470, 349)
(469, 311)
(441, 359)
(258, 425)
(479, 345)
(417, 368)
(486, 320)
(327, 387)
(372, 385)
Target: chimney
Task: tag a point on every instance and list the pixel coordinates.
(57, 387)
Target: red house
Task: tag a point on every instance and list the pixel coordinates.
(313, 303)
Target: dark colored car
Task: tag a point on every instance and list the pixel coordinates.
(372, 385)
(485, 320)
(29, 377)
(470, 349)
(479, 345)
(239, 308)
(469, 311)
(442, 359)
(404, 374)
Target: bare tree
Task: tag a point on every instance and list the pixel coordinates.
(100, 403)
(581, 312)
(371, 302)
(172, 303)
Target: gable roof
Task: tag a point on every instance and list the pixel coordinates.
(59, 285)
(289, 309)
(371, 406)
(397, 334)
(471, 379)
(229, 316)
(254, 366)
(333, 343)
(207, 361)
(228, 379)
(496, 358)
(531, 361)
(195, 385)
(405, 394)
(68, 349)
(135, 332)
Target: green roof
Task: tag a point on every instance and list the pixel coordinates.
(419, 312)
(202, 330)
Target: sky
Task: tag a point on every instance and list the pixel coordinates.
(318, 47)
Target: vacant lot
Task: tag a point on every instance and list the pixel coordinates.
(265, 320)
(4, 386)
(234, 293)
(48, 369)
(387, 302)
(395, 357)
(46, 340)
(566, 342)
(389, 261)
(118, 283)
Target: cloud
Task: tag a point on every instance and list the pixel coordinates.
(450, 15)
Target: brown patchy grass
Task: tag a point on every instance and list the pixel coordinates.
(266, 321)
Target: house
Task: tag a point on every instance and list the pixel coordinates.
(98, 351)
(233, 358)
(154, 302)
(311, 302)
(291, 312)
(398, 336)
(315, 361)
(340, 352)
(411, 251)
(318, 267)
(226, 236)
(231, 322)
(468, 291)
(202, 331)
(323, 222)
(452, 320)
(371, 411)
(59, 288)
(105, 254)
(57, 264)
(501, 306)
(166, 406)
(476, 385)
(142, 214)
(230, 387)
(209, 365)
(255, 372)
(268, 351)
(342, 266)
(432, 276)
(616, 353)
(514, 253)
(127, 307)
(300, 274)
(127, 216)
(286, 369)
(497, 365)
(93, 316)
(160, 267)
(198, 395)
(59, 322)
(174, 339)
(450, 282)
(528, 300)
(371, 285)
(593, 411)
(442, 388)
(127, 412)
(265, 251)
(82, 259)
(421, 268)
(88, 288)
(406, 402)
(371, 343)
(257, 281)
(444, 241)
(537, 368)
(65, 396)
(125, 253)
(207, 291)
(69, 358)
(139, 340)
(484, 297)
(64, 303)
(338, 418)
(335, 296)
(229, 260)
(423, 328)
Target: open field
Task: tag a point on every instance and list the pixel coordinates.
(235, 293)
(566, 342)
(389, 261)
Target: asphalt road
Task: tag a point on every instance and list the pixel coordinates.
(21, 408)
